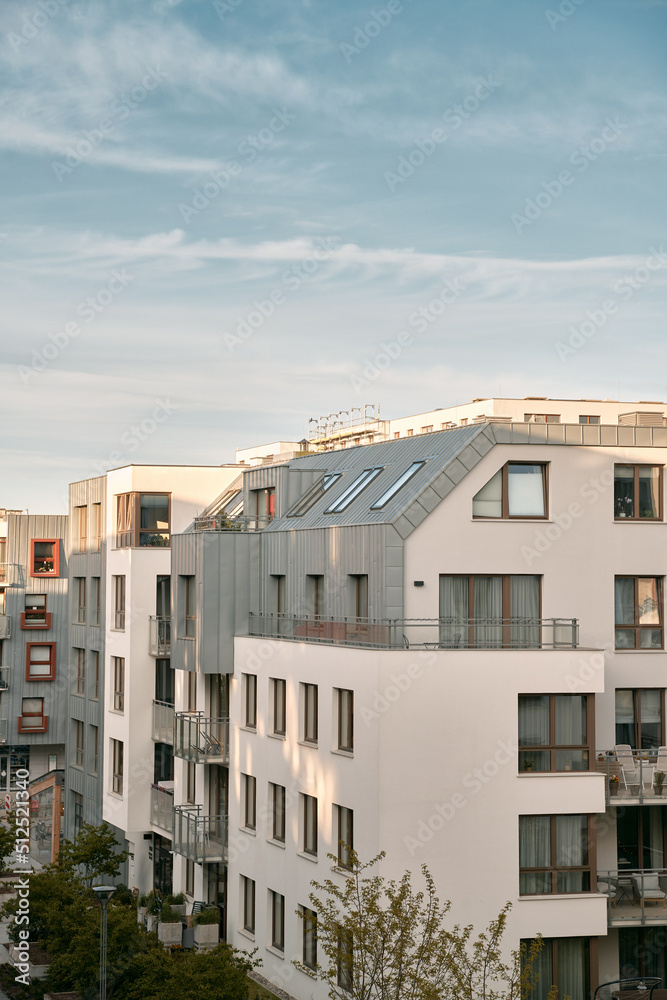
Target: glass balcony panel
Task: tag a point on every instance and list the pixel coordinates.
(162, 808)
(159, 636)
(199, 838)
(163, 722)
(201, 739)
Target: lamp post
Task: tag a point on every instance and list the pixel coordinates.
(104, 894)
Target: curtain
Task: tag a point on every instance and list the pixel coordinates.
(488, 607)
(544, 971)
(651, 718)
(649, 491)
(625, 718)
(624, 600)
(525, 491)
(573, 968)
(571, 850)
(534, 841)
(454, 611)
(570, 720)
(534, 721)
(525, 604)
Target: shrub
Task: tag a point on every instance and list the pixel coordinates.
(169, 915)
(211, 915)
(176, 899)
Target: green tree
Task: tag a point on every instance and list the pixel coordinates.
(7, 841)
(94, 855)
(216, 975)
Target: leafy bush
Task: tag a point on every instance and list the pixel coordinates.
(211, 915)
(169, 915)
(175, 899)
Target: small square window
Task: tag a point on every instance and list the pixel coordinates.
(44, 557)
(40, 661)
(32, 718)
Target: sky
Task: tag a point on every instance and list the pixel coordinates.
(219, 218)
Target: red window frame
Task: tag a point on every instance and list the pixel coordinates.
(51, 676)
(33, 715)
(29, 623)
(56, 557)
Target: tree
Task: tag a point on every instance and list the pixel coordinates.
(382, 940)
(94, 854)
(220, 974)
(7, 841)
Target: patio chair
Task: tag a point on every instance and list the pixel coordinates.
(629, 769)
(647, 887)
(660, 767)
(608, 885)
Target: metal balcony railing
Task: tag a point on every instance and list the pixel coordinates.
(4, 730)
(197, 837)
(635, 896)
(163, 722)
(159, 636)
(637, 775)
(162, 808)
(221, 522)
(421, 633)
(200, 739)
(5, 626)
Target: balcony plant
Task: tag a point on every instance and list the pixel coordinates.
(528, 765)
(177, 901)
(207, 928)
(142, 906)
(170, 927)
(659, 778)
(614, 782)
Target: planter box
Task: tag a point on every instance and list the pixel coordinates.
(151, 922)
(170, 934)
(207, 936)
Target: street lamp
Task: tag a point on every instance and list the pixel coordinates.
(104, 894)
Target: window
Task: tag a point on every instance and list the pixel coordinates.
(77, 800)
(585, 418)
(249, 802)
(639, 718)
(309, 692)
(40, 661)
(250, 685)
(95, 600)
(192, 692)
(638, 612)
(314, 593)
(345, 700)
(277, 793)
(190, 878)
(44, 557)
(96, 526)
(409, 433)
(80, 591)
(309, 806)
(80, 684)
(638, 492)
(541, 418)
(490, 612)
(310, 498)
(118, 670)
(248, 901)
(119, 603)
(426, 430)
(309, 922)
(95, 666)
(519, 489)
(353, 490)
(278, 594)
(359, 596)
(279, 691)
(81, 528)
(277, 905)
(78, 749)
(3, 560)
(344, 835)
(94, 743)
(344, 959)
(554, 854)
(189, 604)
(32, 718)
(397, 435)
(400, 482)
(142, 519)
(165, 682)
(555, 732)
(566, 964)
(116, 767)
(35, 614)
(190, 782)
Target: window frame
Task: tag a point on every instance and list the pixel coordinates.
(43, 728)
(248, 915)
(95, 592)
(80, 590)
(51, 676)
(79, 743)
(590, 867)
(118, 680)
(505, 498)
(55, 571)
(552, 945)
(636, 628)
(189, 606)
(636, 466)
(116, 754)
(344, 820)
(81, 521)
(278, 812)
(279, 706)
(345, 720)
(310, 734)
(96, 525)
(43, 623)
(309, 843)
(250, 701)
(592, 419)
(355, 489)
(506, 615)
(80, 683)
(402, 480)
(95, 653)
(636, 693)
(95, 734)
(277, 923)
(344, 959)
(309, 937)
(127, 514)
(555, 748)
(249, 802)
(119, 601)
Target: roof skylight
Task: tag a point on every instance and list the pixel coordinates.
(310, 498)
(353, 490)
(395, 487)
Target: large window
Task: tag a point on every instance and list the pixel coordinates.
(116, 748)
(519, 489)
(142, 519)
(345, 699)
(639, 718)
(555, 854)
(638, 612)
(32, 718)
(309, 812)
(44, 557)
(40, 661)
(119, 602)
(555, 732)
(638, 492)
(118, 671)
(277, 904)
(566, 964)
(490, 612)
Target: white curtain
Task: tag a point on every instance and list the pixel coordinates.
(573, 968)
(534, 841)
(454, 611)
(534, 720)
(489, 608)
(525, 603)
(624, 600)
(570, 720)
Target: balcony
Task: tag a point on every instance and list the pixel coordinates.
(163, 722)
(159, 636)
(162, 808)
(5, 626)
(635, 897)
(197, 837)
(637, 777)
(4, 730)
(201, 740)
(4, 678)
(9, 574)
(421, 633)
(220, 522)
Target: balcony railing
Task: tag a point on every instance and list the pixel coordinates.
(5, 626)
(636, 775)
(162, 808)
(200, 739)
(4, 730)
(159, 636)
(220, 522)
(8, 574)
(634, 896)
(197, 837)
(163, 722)
(421, 633)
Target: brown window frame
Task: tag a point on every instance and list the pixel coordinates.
(80, 685)
(51, 676)
(128, 528)
(310, 832)
(80, 582)
(81, 528)
(249, 802)
(636, 628)
(505, 497)
(279, 721)
(345, 715)
(22, 728)
(95, 592)
(79, 743)
(552, 944)
(118, 679)
(55, 571)
(310, 714)
(117, 754)
(636, 466)
(637, 710)
(555, 748)
(119, 601)
(96, 525)
(589, 418)
(42, 623)
(554, 871)
(278, 809)
(506, 604)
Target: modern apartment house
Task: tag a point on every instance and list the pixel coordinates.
(446, 646)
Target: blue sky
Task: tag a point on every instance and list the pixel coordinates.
(232, 209)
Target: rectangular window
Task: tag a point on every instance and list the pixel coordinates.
(278, 813)
(310, 719)
(32, 718)
(250, 685)
(359, 596)
(78, 750)
(638, 492)
(639, 718)
(353, 490)
(587, 418)
(519, 489)
(119, 603)
(3, 560)
(345, 700)
(190, 782)
(249, 802)
(638, 612)
(118, 671)
(190, 606)
(556, 732)
(80, 686)
(96, 526)
(35, 614)
(40, 661)
(80, 593)
(309, 944)
(344, 834)
(277, 904)
(116, 766)
(192, 692)
(95, 600)
(279, 691)
(248, 898)
(95, 667)
(554, 854)
(81, 528)
(78, 811)
(44, 557)
(315, 594)
(490, 612)
(391, 492)
(94, 741)
(541, 418)
(344, 959)
(190, 878)
(309, 806)
(142, 519)
(315, 493)
(409, 433)
(566, 964)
